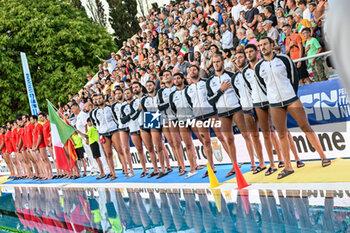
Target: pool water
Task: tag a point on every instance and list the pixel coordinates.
(50, 209)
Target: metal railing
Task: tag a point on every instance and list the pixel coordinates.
(327, 53)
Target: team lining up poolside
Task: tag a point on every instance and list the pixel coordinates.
(116, 121)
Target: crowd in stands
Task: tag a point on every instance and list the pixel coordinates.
(190, 32)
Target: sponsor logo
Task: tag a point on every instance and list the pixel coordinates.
(330, 105)
(152, 120)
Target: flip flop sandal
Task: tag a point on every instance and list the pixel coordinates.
(231, 173)
(129, 175)
(258, 169)
(152, 174)
(161, 174)
(108, 176)
(206, 174)
(143, 174)
(270, 171)
(100, 177)
(326, 162)
(300, 164)
(83, 175)
(199, 167)
(281, 164)
(191, 174)
(182, 172)
(252, 168)
(284, 173)
(168, 170)
(113, 178)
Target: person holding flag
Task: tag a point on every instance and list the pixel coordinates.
(60, 133)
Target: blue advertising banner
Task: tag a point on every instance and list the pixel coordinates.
(34, 107)
(324, 102)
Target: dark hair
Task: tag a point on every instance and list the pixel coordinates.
(166, 71)
(302, 2)
(240, 52)
(269, 9)
(290, 16)
(286, 25)
(95, 95)
(19, 117)
(251, 46)
(195, 67)
(26, 116)
(306, 29)
(150, 81)
(180, 74)
(88, 119)
(137, 83)
(75, 104)
(267, 38)
(228, 51)
(118, 88)
(35, 117)
(43, 114)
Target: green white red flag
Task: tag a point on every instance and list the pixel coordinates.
(183, 51)
(60, 133)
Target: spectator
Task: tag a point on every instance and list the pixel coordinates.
(111, 61)
(182, 65)
(219, 11)
(261, 31)
(228, 6)
(241, 34)
(266, 3)
(295, 49)
(320, 10)
(251, 15)
(292, 6)
(306, 12)
(228, 64)
(312, 8)
(261, 17)
(280, 13)
(301, 23)
(229, 23)
(236, 10)
(227, 37)
(282, 36)
(291, 21)
(271, 31)
(313, 47)
(144, 76)
(253, 40)
(270, 16)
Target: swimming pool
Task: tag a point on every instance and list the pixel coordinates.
(51, 209)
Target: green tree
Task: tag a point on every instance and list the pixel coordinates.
(60, 42)
(123, 19)
(77, 4)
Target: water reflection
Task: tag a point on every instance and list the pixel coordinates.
(47, 209)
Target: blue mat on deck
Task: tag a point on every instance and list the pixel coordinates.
(172, 177)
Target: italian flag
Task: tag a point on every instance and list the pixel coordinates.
(60, 133)
(183, 51)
